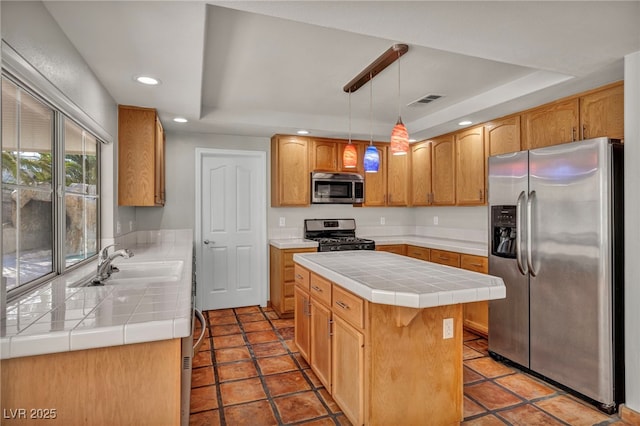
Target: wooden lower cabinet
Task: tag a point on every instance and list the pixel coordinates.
(444, 257)
(282, 279)
(393, 248)
(348, 370)
(417, 252)
(136, 384)
(302, 322)
(320, 355)
(476, 314)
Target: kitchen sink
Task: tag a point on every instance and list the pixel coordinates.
(140, 272)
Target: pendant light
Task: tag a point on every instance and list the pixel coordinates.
(399, 134)
(350, 154)
(371, 156)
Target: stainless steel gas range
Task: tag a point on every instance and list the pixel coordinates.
(336, 235)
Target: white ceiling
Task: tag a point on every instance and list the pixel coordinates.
(262, 67)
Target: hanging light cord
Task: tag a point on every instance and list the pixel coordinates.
(349, 117)
(371, 107)
(398, 84)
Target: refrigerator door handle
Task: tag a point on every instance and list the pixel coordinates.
(532, 196)
(522, 266)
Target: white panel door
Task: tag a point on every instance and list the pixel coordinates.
(231, 267)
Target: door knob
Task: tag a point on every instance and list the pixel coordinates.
(207, 242)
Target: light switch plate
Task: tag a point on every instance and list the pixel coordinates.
(282, 222)
(382, 220)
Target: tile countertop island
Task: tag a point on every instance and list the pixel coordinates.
(396, 349)
(62, 316)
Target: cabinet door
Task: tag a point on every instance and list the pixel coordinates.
(502, 136)
(443, 171)
(470, 167)
(348, 370)
(398, 179)
(302, 322)
(476, 314)
(420, 174)
(290, 178)
(602, 113)
(160, 164)
(416, 252)
(551, 124)
(375, 184)
(321, 342)
(324, 156)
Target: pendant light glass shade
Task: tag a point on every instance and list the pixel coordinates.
(399, 134)
(350, 153)
(399, 139)
(371, 159)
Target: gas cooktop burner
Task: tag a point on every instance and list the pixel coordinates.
(335, 235)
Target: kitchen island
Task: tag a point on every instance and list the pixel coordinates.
(383, 333)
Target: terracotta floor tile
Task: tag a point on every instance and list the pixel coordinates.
(257, 413)
(333, 406)
(256, 326)
(526, 415)
(206, 345)
(491, 395)
(303, 362)
(261, 350)
(220, 313)
(245, 318)
(271, 315)
(261, 337)
(223, 330)
(488, 367)
(470, 376)
(237, 370)
(287, 333)
(468, 353)
(525, 386)
(204, 398)
(206, 418)
(299, 407)
(248, 310)
(489, 420)
(292, 346)
(471, 408)
(230, 341)
(571, 411)
(276, 364)
(283, 323)
(232, 354)
(202, 359)
(479, 345)
(313, 378)
(228, 320)
(325, 421)
(202, 376)
(343, 421)
(242, 391)
(285, 383)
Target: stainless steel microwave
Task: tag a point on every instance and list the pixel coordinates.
(337, 188)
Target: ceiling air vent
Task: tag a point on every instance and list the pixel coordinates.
(425, 100)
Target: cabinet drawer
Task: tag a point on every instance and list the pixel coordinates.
(445, 257)
(288, 289)
(348, 306)
(289, 273)
(320, 289)
(393, 248)
(289, 303)
(301, 276)
(474, 263)
(418, 252)
(287, 259)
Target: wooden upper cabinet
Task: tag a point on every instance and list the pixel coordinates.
(420, 194)
(443, 159)
(470, 167)
(375, 184)
(290, 178)
(551, 124)
(602, 113)
(324, 155)
(398, 172)
(141, 159)
(502, 136)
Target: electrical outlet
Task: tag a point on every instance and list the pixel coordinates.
(130, 225)
(282, 222)
(435, 220)
(447, 328)
(118, 228)
(382, 220)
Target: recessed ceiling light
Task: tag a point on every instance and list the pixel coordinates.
(303, 132)
(149, 81)
(464, 123)
(180, 120)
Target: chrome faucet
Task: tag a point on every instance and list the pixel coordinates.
(105, 268)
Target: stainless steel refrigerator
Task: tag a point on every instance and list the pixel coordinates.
(556, 238)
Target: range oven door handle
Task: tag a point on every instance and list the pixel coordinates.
(522, 266)
(203, 324)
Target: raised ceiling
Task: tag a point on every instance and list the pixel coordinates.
(259, 68)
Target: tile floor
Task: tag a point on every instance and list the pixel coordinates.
(249, 372)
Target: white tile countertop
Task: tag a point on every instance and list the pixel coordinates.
(450, 244)
(391, 279)
(61, 316)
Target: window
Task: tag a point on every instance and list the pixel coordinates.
(49, 189)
